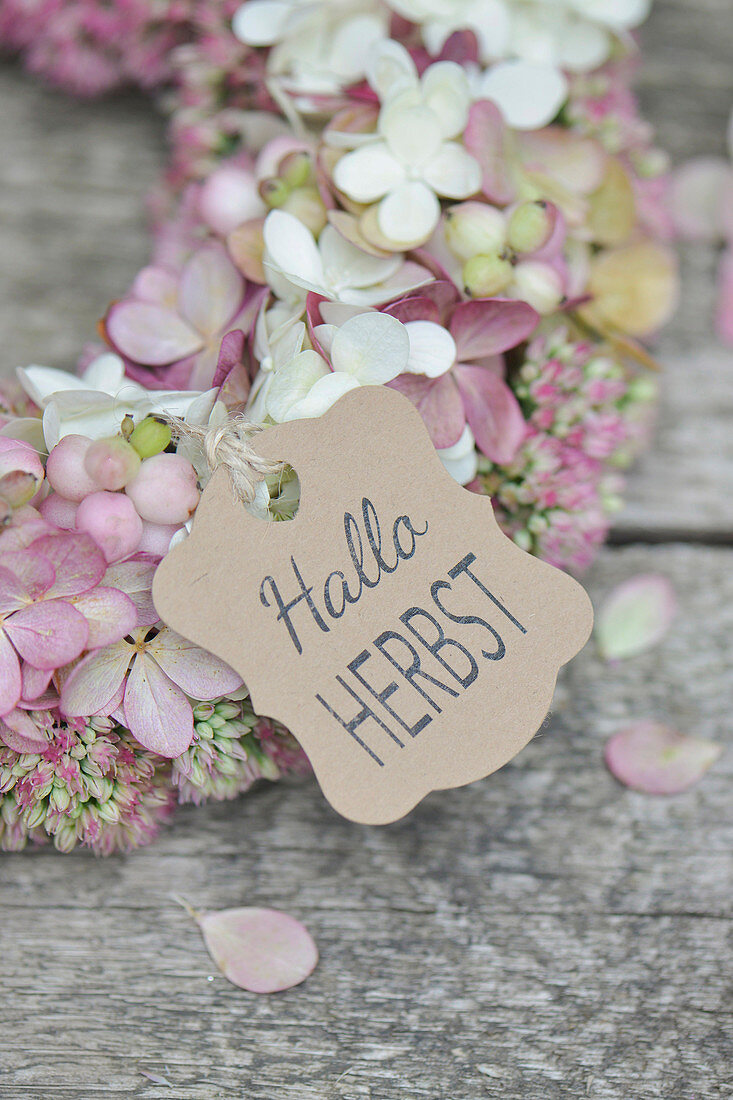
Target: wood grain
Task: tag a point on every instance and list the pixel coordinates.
(542, 935)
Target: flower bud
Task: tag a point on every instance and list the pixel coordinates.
(530, 226)
(65, 468)
(274, 192)
(485, 276)
(295, 169)
(113, 523)
(111, 463)
(307, 206)
(151, 436)
(539, 285)
(164, 490)
(474, 229)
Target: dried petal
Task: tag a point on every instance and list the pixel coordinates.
(261, 950)
(635, 616)
(653, 758)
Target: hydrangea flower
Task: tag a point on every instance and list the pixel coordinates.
(577, 35)
(318, 46)
(52, 608)
(334, 268)
(181, 320)
(414, 157)
(455, 373)
(150, 681)
(367, 350)
(95, 404)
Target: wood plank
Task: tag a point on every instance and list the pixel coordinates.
(540, 935)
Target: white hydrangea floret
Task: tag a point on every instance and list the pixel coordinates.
(414, 158)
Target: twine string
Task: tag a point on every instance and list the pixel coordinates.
(229, 445)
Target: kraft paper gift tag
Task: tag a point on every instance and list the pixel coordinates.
(408, 644)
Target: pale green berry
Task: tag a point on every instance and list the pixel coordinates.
(474, 229)
(486, 276)
(530, 226)
(151, 436)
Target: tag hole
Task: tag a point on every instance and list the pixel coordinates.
(284, 491)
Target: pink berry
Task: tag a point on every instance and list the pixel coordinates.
(65, 468)
(157, 537)
(111, 463)
(164, 490)
(113, 523)
(59, 511)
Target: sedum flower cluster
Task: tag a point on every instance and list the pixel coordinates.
(454, 198)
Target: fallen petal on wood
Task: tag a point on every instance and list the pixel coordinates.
(650, 757)
(261, 950)
(635, 616)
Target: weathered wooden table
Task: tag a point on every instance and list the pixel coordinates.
(543, 934)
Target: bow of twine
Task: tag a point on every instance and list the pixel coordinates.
(229, 445)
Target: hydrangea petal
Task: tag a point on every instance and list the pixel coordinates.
(21, 734)
(109, 613)
(95, 682)
(491, 326)
(461, 460)
(696, 197)
(372, 347)
(261, 22)
(528, 95)
(25, 576)
(484, 139)
(10, 679)
(211, 290)
(452, 172)
(347, 265)
(432, 349)
(35, 681)
(409, 214)
(290, 247)
(650, 757)
(261, 950)
(150, 334)
(492, 412)
(292, 382)
(199, 673)
(446, 92)
(368, 173)
(157, 712)
(48, 634)
(635, 616)
(135, 579)
(439, 404)
(322, 396)
(77, 560)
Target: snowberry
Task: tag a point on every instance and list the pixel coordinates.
(66, 471)
(111, 463)
(156, 538)
(59, 511)
(164, 489)
(113, 523)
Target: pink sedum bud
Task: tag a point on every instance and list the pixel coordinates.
(65, 468)
(156, 538)
(164, 490)
(113, 523)
(111, 463)
(59, 511)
